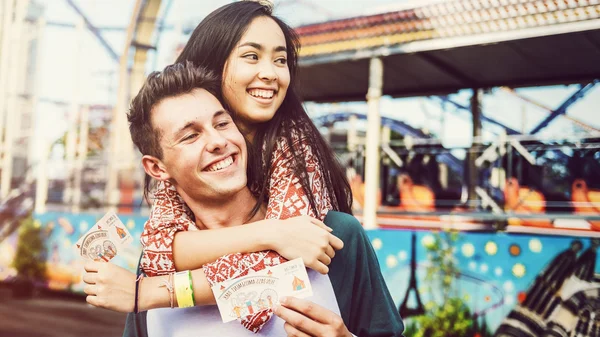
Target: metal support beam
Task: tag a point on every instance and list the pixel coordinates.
(583, 89)
(446, 99)
(372, 146)
(473, 172)
(94, 31)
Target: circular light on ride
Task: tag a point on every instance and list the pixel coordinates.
(472, 265)
(487, 298)
(377, 244)
(130, 224)
(428, 241)
(468, 250)
(391, 261)
(514, 249)
(535, 245)
(491, 248)
(484, 268)
(518, 270)
(509, 300)
(498, 271)
(508, 286)
(402, 255)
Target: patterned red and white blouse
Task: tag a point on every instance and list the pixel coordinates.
(287, 198)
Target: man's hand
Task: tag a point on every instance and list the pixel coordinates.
(307, 238)
(305, 318)
(109, 286)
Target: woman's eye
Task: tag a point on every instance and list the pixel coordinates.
(251, 56)
(222, 125)
(281, 60)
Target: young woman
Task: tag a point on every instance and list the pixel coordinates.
(295, 174)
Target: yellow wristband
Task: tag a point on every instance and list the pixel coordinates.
(183, 289)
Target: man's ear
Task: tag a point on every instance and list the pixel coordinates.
(155, 168)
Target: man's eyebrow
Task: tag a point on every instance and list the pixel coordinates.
(260, 47)
(221, 113)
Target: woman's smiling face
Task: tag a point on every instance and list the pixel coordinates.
(256, 75)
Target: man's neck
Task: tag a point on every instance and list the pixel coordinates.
(231, 211)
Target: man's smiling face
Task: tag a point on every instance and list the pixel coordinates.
(204, 154)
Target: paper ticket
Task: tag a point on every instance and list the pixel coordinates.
(261, 290)
(104, 240)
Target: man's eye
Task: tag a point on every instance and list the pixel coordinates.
(190, 136)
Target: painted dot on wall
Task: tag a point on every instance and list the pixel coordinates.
(521, 296)
(130, 224)
(428, 241)
(498, 271)
(402, 255)
(377, 244)
(391, 261)
(83, 226)
(491, 248)
(514, 249)
(518, 270)
(468, 250)
(535, 245)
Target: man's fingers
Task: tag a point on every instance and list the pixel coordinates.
(302, 307)
(90, 278)
(91, 299)
(91, 266)
(90, 289)
(299, 320)
(293, 332)
(335, 242)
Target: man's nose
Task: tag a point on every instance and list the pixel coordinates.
(215, 141)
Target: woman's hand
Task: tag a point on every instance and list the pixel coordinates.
(307, 238)
(109, 286)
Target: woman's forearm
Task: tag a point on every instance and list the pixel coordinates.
(192, 249)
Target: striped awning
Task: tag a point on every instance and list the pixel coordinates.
(443, 35)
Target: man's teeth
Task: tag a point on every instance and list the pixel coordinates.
(220, 165)
(261, 93)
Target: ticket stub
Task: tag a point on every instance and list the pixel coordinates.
(261, 290)
(104, 240)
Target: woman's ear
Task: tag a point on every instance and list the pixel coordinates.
(155, 168)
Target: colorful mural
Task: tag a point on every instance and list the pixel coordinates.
(491, 273)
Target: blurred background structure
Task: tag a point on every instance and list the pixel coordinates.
(476, 119)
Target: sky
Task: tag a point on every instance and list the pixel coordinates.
(76, 68)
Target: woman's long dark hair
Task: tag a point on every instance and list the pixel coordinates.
(210, 45)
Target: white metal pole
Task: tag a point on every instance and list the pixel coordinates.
(80, 157)
(372, 146)
(5, 39)
(11, 108)
(41, 187)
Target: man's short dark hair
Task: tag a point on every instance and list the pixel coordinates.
(175, 80)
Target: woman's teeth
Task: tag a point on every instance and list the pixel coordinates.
(261, 93)
(220, 165)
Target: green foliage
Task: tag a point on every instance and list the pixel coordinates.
(30, 256)
(449, 317)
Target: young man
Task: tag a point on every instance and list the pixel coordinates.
(194, 142)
